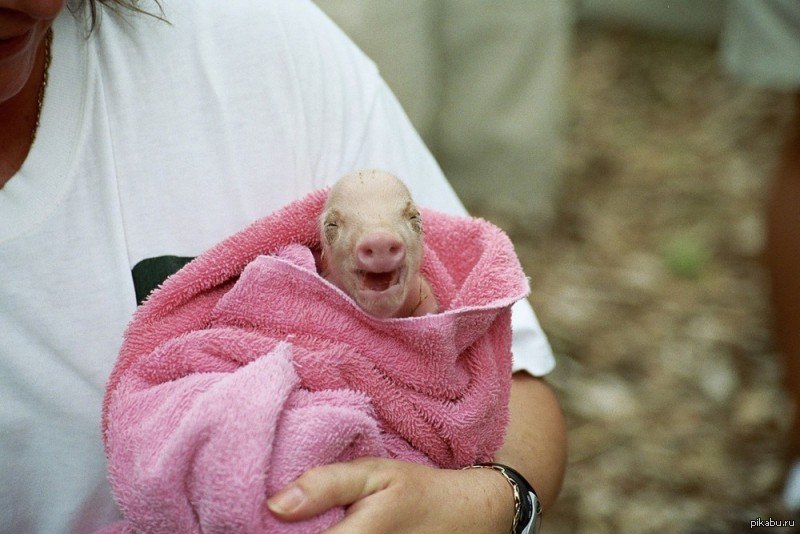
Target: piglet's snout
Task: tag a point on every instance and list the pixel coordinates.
(380, 252)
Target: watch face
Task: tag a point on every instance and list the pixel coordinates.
(535, 521)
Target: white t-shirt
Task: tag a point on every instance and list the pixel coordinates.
(160, 140)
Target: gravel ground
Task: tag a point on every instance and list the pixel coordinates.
(650, 288)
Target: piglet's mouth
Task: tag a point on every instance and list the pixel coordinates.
(378, 281)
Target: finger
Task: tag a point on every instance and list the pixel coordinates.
(324, 487)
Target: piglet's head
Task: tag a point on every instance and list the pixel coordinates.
(371, 234)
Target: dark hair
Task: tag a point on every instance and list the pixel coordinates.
(118, 6)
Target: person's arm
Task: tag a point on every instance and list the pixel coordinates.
(392, 496)
(536, 440)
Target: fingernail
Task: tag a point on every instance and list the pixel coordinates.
(287, 500)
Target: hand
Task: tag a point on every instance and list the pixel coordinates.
(384, 495)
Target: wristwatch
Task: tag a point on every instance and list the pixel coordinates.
(527, 508)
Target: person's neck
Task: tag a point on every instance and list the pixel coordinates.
(19, 116)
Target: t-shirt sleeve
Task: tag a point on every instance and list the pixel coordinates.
(351, 120)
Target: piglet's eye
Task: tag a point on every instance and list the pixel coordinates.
(331, 231)
(416, 222)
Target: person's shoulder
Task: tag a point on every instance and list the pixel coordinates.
(306, 29)
(297, 29)
(232, 20)
(299, 20)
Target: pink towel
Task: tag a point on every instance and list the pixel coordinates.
(246, 368)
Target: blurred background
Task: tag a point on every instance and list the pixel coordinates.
(631, 168)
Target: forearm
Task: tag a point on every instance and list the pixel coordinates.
(536, 443)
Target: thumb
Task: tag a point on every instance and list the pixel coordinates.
(322, 488)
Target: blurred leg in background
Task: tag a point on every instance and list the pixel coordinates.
(402, 39)
(761, 44)
(783, 262)
(484, 83)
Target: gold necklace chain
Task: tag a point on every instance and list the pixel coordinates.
(48, 41)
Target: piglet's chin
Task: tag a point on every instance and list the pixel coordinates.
(382, 304)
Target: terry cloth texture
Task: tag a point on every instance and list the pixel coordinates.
(246, 368)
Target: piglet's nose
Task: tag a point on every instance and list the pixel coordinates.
(380, 252)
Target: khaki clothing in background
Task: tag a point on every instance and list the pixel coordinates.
(484, 83)
(761, 42)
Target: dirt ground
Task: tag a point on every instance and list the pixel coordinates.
(650, 288)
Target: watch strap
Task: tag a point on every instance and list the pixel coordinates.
(527, 509)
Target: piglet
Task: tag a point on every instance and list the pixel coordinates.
(371, 235)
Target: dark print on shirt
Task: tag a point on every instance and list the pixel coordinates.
(150, 273)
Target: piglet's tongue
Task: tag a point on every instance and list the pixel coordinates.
(377, 281)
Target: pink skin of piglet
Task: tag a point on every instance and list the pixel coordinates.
(371, 235)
